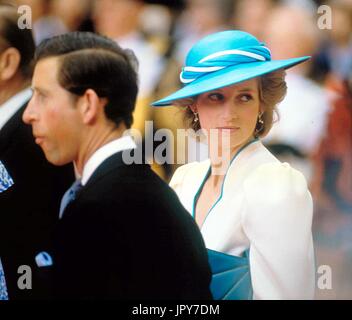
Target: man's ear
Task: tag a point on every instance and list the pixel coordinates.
(10, 61)
(90, 106)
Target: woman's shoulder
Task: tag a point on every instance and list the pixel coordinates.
(277, 196)
(277, 181)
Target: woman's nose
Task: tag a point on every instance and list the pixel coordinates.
(230, 111)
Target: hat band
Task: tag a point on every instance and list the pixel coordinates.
(223, 59)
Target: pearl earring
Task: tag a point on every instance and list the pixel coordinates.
(196, 119)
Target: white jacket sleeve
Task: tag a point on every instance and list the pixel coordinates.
(278, 221)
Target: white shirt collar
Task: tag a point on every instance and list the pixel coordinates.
(99, 156)
(11, 106)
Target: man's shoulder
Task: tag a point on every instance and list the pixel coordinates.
(125, 178)
(134, 186)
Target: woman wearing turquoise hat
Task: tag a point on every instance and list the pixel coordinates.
(254, 212)
(5, 183)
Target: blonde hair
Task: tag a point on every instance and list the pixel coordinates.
(272, 90)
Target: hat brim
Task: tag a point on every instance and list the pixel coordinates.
(228, 76)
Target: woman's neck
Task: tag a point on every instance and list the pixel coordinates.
(220, 160)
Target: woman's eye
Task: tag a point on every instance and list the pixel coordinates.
(246, 97)
(216, 97)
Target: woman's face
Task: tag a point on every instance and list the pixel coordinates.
(232, 110)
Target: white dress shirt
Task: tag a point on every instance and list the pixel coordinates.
(11, 106)
(99, 156)
(265, 206)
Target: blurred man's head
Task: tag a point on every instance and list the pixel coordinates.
(85, 88)
(250, 15)
(291, 31)
(117, 18)
(16, 53)
(208, 16)
(39, 8)
(341, 18)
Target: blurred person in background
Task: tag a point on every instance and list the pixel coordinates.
(296, 136)
(333, 162)
(44, 23)
(120, 20)
(335, 52)
(322, 127)
(332, 190)
(75, 15)
(29, 210)
(251, 15)
(200, 18)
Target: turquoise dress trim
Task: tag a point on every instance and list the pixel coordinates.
(231, 277)
(222, 186)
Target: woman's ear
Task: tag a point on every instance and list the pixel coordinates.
(193, 107)
(261, 108)
(10, 61)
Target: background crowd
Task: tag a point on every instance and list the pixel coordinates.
(314, 133)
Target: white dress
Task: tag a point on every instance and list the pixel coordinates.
(264, 206)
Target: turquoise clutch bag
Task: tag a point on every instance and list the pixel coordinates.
(231, 278)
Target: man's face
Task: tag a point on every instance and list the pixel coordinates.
(52, 112)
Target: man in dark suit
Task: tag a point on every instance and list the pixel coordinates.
(30, 209)
(123, 233)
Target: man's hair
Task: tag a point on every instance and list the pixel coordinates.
(21, 39)
(91, 61)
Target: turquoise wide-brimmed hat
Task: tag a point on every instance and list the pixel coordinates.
(222, 59)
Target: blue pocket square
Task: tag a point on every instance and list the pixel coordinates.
(44, 259)
(5, 179)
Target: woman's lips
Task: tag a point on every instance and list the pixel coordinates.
(228, 128)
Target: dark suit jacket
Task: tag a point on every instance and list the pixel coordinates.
(127, 236)
(29, 209)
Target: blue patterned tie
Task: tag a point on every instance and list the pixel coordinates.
(70, 195)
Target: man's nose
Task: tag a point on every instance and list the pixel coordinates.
(29, 115)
